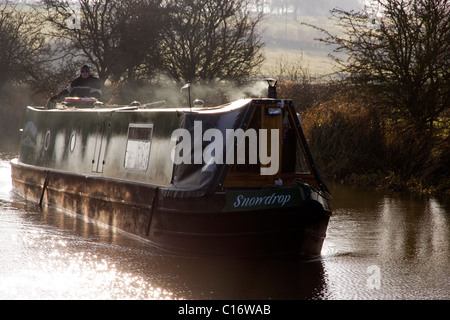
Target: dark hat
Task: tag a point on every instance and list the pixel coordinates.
(85, 68)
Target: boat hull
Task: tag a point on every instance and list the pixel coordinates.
(190, 226)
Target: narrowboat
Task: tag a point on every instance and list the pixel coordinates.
(235, 180)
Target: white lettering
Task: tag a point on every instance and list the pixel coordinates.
(195, 310)
(181, 153)
(242, 309)
(241, 136)
(374, 280)
(73, 21)
(213, 152)
(264, 158)
(198, 142)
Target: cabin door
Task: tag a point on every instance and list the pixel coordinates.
(98, 159)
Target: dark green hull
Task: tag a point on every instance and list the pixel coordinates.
(82, 161)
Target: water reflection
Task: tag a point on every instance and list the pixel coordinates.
(413, 230)
(251, 279)
(407, 237)
(49, 255)
(45, 254)
(52, 259)
(40, 261)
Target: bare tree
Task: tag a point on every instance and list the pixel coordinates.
(401, 51)
(22, 47)
(115, 36)
(209, 40)
(21, 44)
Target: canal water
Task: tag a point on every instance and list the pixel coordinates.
(379, 246)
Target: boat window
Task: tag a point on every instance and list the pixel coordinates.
(137, 153)
(73, 141)
(139, 133)
(47, 140)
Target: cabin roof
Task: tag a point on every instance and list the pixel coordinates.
(144, 108)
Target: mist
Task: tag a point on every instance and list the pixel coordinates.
(173, 96)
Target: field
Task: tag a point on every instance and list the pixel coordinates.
(292, 41)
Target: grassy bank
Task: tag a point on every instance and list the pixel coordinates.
(351, 143)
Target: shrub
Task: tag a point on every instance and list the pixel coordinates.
(344, 137)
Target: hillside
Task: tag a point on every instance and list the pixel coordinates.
(291, 40)
(287, 38)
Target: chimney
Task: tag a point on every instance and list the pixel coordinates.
(272, 92)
